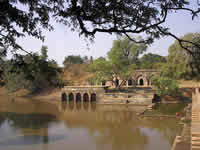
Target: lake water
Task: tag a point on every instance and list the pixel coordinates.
(46, 126)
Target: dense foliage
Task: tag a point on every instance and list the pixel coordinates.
(181, 63)
(165, 86)
(152, 61)
(72, 59)
(35, 74)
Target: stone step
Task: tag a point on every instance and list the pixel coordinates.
(195, 138)
(195, 143)
(195, 147)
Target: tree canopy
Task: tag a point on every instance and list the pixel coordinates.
(19, 18)
(182, 63)
(34, 74)
(72, 59)
(152, 61)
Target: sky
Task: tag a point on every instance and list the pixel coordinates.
(62, 42)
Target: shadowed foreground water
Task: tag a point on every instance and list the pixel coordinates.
(43, 126)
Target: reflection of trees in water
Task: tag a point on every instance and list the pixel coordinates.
(2, 119)
(34, 121)
(33, 126)
(168, 128)
(120, 128)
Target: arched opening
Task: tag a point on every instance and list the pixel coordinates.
(134, 82)
(103, 83)
(130, 82)
(71, 97)
(117, 82)
(93, 97)
(78, 97)
(85, 97)
(64, 97)
(141, 82)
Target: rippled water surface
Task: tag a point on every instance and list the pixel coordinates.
(42, 126)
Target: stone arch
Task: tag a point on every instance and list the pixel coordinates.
(103, 83)
(134, 82)
(78, 97)
(93, 97)
(142, 80)
(71, 97)
(85, 97)
(64, 97)
(117, 82)
(130, 82)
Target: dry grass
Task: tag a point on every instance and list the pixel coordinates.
(189, 84)
(77, 73)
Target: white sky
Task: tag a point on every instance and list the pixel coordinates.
(62, 42)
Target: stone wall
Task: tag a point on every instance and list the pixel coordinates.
(139, 96)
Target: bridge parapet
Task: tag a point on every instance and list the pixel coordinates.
(85, 88)
(83, 93)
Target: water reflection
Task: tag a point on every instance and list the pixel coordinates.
(84, 126)
(34, 121)
(30, 140)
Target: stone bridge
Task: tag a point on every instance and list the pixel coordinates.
(83, 93)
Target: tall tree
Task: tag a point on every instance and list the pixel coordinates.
(123, 57)
(102, 69)
(183, 63)
(122, 60)
(44, 50)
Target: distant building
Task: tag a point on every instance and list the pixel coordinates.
(139, 78)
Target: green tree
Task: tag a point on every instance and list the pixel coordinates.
(165, 86)
(102, 69)
(34, 74)
(44, 50)
(72, 59)
(184, 64)
(124, 56)
(2, 63)
(152, 61)
(122, 60)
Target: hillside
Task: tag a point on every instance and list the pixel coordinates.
(77, 74)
